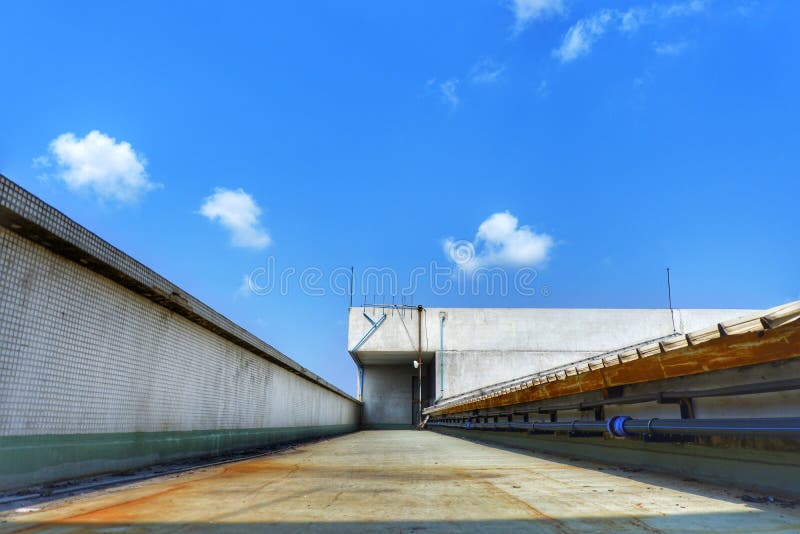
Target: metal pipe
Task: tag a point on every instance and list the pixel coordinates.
(624, 426)
(361, 383)
(375, 325)
(785, 427)
(419, 360)
(442, 317)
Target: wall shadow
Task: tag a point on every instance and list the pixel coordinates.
(754, 498)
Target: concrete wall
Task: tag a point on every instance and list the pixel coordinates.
(98, 377)
(387, 396)
(467, 370)
(484, 346)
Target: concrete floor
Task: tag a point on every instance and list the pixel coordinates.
(409, 481)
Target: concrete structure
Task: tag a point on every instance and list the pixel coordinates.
(390, 394)
(406, 481)
(106, 366)
(579, 376)
(725, 398)
(465, 349)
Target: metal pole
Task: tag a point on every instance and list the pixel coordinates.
(352, 284)
(419, 361)
(669, 300)
(442, 316)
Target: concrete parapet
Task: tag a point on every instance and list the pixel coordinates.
(106, 365)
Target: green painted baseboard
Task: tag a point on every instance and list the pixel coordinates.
(387, 426)
(29, 460)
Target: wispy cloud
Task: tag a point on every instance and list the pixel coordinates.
(581, 36)
(500, 241)
(681, 9)
(632, 19)
(237, 212)
(41, 162)
(746, 8)
(486, 71)
(99, 164)
(674, 48)
(643, 79)
(244, 290)
(543, 89)
(527, 11)
(447, 90)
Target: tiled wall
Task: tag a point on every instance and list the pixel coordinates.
(80, 354)
(24, 213)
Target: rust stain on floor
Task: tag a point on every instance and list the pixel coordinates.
(407, 481)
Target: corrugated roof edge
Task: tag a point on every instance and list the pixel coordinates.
(25, 214)
(767, 319)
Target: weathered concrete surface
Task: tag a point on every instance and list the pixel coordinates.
(767, 466)
(408, 481)
(484, 346)
(388, 396)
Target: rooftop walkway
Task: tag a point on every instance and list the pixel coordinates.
(407, 481)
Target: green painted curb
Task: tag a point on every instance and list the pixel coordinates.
(387, 426)
(36, 459)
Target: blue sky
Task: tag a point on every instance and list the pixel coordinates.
(587, 144)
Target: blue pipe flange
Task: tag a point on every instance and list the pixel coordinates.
(615, 426)
(650, 425)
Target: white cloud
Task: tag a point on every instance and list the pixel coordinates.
(449, 92)
(746, 8)
(98, 163)
(681, 9)
(486, 71)
(41, 162)
(581, 36)
(244, 290)
(500, 241)
(446, 90)
(632, 19)
(236, 211)
(670, 49)
(526, 11)
(543, 89)
(645, 78)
